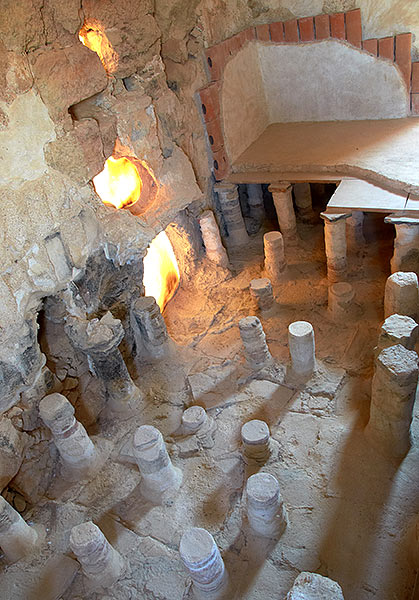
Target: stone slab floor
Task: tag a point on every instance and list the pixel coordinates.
(349, 508)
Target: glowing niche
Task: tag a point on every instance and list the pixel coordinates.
(93, 35)
(119, 184)
(161, 271)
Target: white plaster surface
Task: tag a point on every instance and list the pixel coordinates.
(243, 104)
(22, 142)
(327, 81)
(354, 194)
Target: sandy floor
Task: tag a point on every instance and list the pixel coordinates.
(350, 509)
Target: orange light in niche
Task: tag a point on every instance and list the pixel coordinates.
(161, 271)
(119, 184)
(93, 35)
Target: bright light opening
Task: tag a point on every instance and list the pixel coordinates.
(119, 184)
(92, 35)
(161, 272)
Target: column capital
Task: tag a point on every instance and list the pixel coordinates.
(280, 186)
(401, 220)
(334, 217)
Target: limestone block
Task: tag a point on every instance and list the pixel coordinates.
(67, 76)
(22, 142)
(137, 126)
(75, 241)
(401, 295)
(12, 447)
(132, 30)
(40, 270)
(310, 586)
(58, 257)
(79, 153)
(21, 26)
(15, 74)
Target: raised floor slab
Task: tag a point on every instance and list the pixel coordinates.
(382, 152)
(354, 194)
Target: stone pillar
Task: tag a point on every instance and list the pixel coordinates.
(193, 419)
(335, 245)
(160, 479)
(265, 508)
(392, 399)
(273, 245)
(310, 585)
(253, 337)
(256, 440)
(406, 243)
(76, 449)
(261, 292)
(100, 562)
(355, 230)
(282, 197)
(398, 329)
(212, 240)
(99, 340)
(17, 538)
(148, 327)
(202, 559)
(228, 196)
(401, 295)
(255, 199)
(340, 300)
(301, 347)
(303, 202)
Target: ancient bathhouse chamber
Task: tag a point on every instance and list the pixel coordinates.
(209, 300)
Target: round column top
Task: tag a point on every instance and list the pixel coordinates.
(255, 432)
(262, 487)
(300, 328)
(196, 545)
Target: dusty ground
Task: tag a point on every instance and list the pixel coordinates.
(350, 509)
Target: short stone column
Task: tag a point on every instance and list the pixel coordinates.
(99, 340)
(76, 449)
(160, 479)
(401, 295)
(228, 196)
(256, 440)
(335, 245)
(355, 230)
(265, 508)
(282, 198)
(253, 337)
(202, 559)
(303, 202)
(17, 538)
(273, 246)
(193, 419)
(261, 291)
(214, 248)
(406, 243)
(100, 562)
(398, 329)
(148, 327)
(302, 347)
(392, 398)
(308, 586)
(340, 300)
